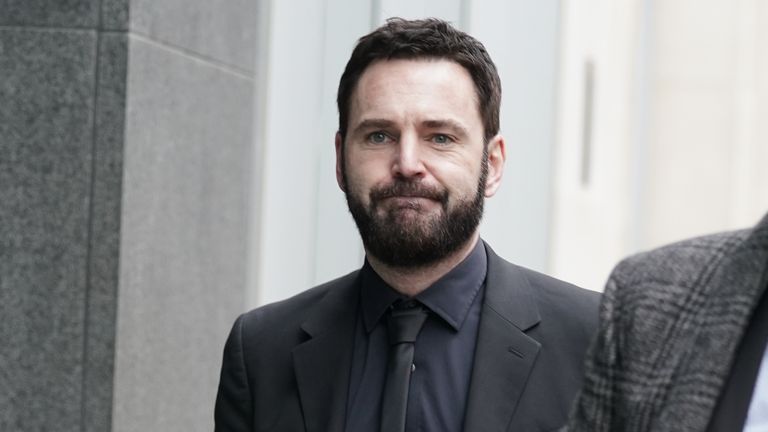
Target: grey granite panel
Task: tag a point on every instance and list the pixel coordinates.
(45, 172)
(51, 13)
(114, 14)
(224, 30)
(105, 231)
(183, 242)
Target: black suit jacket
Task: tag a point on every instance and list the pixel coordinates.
(286, 365)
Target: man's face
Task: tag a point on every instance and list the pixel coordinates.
(413, 164)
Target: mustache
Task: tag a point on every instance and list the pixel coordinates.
(400, 188)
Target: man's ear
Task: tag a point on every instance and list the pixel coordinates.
(497, 154)
(339, 142)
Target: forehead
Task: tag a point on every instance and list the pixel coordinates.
(433, 87)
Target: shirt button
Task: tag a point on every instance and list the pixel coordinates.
(413, 367)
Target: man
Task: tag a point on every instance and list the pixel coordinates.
(435, 332)
(681, 340)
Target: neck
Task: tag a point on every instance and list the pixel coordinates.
(412, 281)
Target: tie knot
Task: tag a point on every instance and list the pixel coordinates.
(404, 321)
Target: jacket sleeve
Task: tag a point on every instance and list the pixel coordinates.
(594, 408)
(233, 411)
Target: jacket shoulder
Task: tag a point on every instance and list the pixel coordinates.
(679, 264)
(291, 312)
(564, 305)
(562, 291)
(559, 304)
(569, 300)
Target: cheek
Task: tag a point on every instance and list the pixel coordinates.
(459, 176)
(360, 179)
(366, 170)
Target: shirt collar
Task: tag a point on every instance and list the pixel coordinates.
(450, 297)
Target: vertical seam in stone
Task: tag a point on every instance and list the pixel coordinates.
(89, 253)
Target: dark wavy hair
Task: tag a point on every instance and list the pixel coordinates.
(425, 39)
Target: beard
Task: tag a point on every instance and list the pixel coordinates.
(405, 237)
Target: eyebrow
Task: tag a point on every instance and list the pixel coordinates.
(372, 124)
(454, 126)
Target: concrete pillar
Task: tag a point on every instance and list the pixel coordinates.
(125, 146)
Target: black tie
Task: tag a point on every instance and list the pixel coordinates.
(403, 325)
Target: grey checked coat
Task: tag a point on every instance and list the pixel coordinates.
(670, 322)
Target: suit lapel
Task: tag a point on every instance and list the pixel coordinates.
(504, 355)
(731, 292)
(322, 363)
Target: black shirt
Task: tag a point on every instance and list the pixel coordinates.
(444, 351)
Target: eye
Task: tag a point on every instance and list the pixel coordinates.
(442, 139)
(377, 137)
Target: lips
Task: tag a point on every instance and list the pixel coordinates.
(408, 201)
(408, 191)
(411, 197)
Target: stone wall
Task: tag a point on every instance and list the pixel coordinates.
(125, 142)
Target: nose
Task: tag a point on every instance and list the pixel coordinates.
(408, 160)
